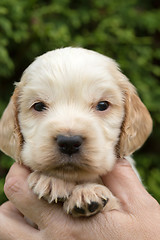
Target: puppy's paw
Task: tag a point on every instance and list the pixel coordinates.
(50, 188)
(89, 199)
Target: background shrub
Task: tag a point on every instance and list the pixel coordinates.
(128, 31)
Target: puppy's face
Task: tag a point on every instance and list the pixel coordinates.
(71, 111)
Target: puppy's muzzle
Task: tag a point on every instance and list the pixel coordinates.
(69, 144)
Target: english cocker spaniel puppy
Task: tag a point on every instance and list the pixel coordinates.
(72, 115)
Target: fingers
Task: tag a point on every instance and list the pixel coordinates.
(17, 191)
(13, 226)
(125, 185)
(18, 170)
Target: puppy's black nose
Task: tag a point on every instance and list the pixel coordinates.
(69, 144)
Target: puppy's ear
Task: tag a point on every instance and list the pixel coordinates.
(10, 136)
(137, 124)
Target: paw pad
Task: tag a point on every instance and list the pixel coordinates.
(79, 210)
(93, 206)
(105, 201)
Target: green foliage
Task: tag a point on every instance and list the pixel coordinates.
(149, 169)
(127, 31)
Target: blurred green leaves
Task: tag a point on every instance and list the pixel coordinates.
(128, 31)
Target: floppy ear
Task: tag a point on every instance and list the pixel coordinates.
(137, 124)
(10, 137)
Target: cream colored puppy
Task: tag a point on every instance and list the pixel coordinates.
(72, 115)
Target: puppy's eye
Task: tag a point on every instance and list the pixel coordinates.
(102, 106)
(39, 106)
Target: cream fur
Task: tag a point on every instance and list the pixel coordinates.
(71, 82)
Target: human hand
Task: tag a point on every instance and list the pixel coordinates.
(139, 218)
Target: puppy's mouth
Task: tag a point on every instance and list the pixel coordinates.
(70, 164)
(69, 168)
(71, 172)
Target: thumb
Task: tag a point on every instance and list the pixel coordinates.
(125, 185)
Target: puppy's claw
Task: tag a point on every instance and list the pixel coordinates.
(68, 211)
(50, 201)
(40, 196)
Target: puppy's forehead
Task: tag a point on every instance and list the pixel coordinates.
(70, 70)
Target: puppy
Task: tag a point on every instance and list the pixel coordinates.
(72, 115)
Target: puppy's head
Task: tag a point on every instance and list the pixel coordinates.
(72, 114)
